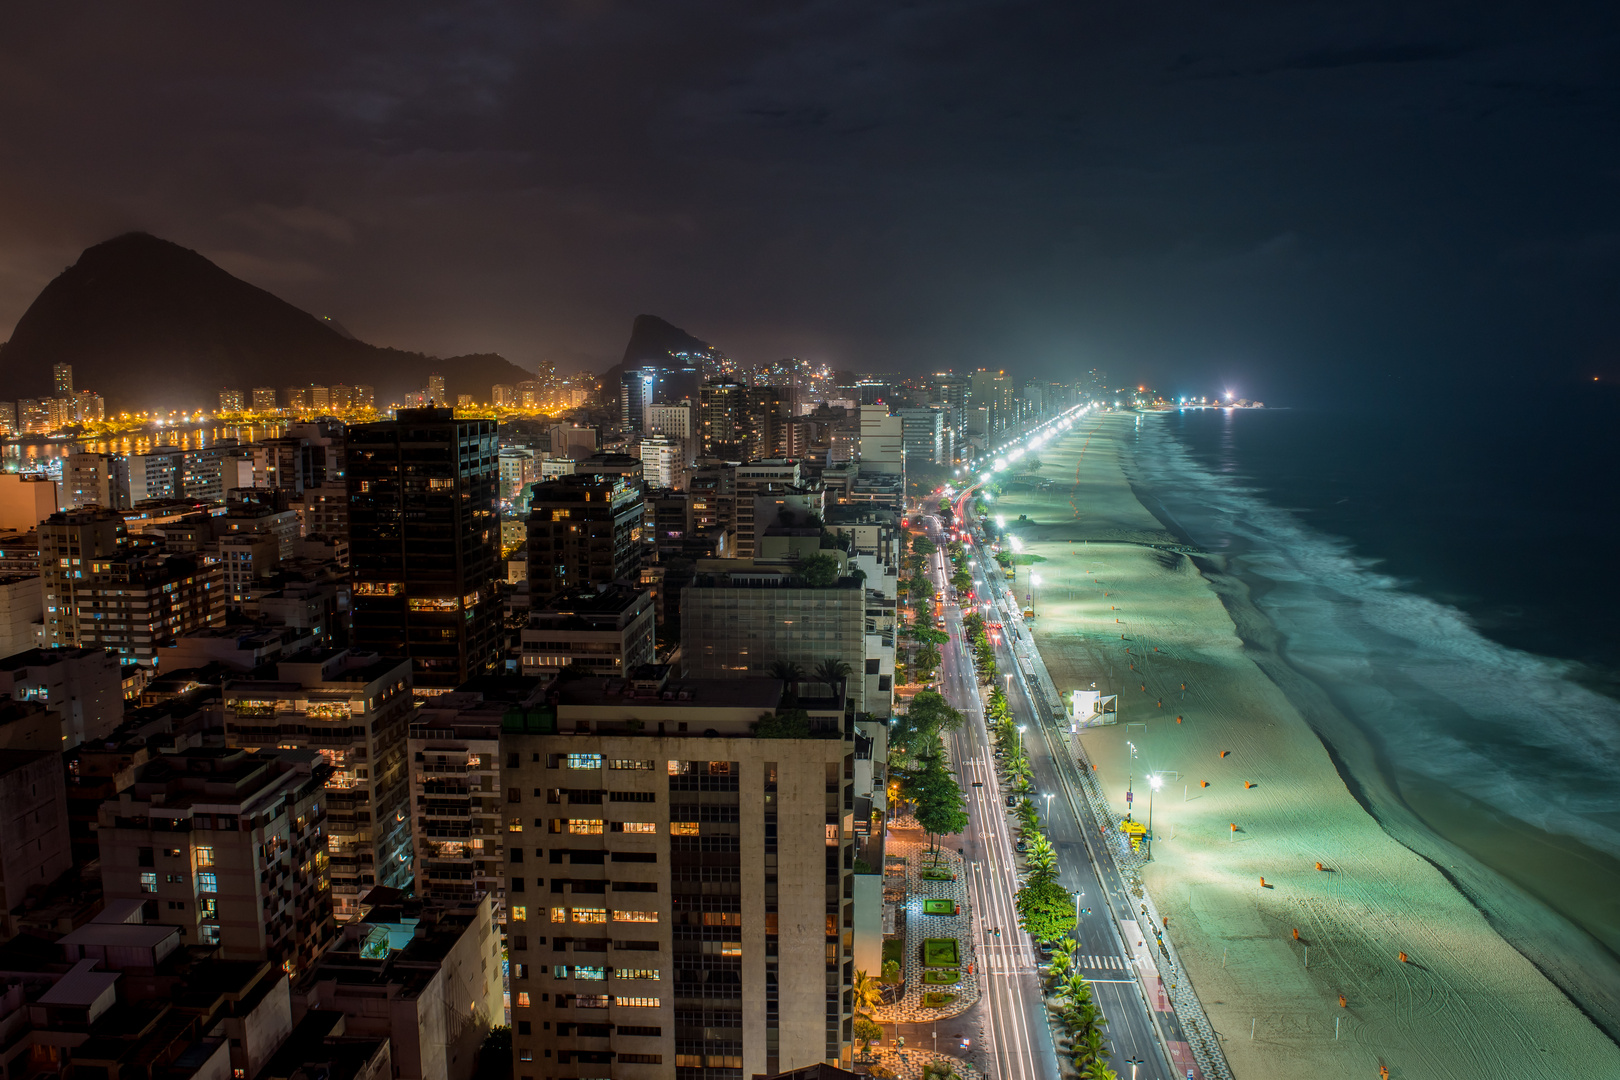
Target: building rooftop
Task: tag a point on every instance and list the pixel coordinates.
(752, 692)
(81, 986)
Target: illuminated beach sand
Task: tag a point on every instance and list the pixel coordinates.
(1464, 1005)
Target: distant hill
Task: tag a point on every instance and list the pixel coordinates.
(148, 323)
(654, 342)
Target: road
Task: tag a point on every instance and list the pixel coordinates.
(1018, 1038)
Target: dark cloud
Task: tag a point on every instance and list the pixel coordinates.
(1286, 196)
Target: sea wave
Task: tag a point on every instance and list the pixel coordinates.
(1512, 729)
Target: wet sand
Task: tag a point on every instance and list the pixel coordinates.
(1465, 1005)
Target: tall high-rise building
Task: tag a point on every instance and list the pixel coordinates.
(264, 399)
(229, 845)
(765, 417)
(923, 433)
(675, 884)
(545, 373)
(8, 418)
(87, 481)
(354, 709)
(230, 400)
(720, 409)
(435, 390)
(503, 395)
(69, 543)
(583, 530)
(455, 767)
(883, 448)
(637, 388)
(89, 407)
(424, 542)
(62, 379)
(951, 392)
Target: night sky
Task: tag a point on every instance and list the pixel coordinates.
(1289, 200)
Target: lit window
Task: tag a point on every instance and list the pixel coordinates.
(205, 856)
(649, 974)
(583, 972)
(583, 761)
(523, 999)
(559, 914)
(637, 1002)
(207, 882)
(148, 883)
(635, 916)
(719, 918)
(515, 825)
(590, 915)
(585, 826)
(646, 827)
(630, 763)
(683, 828)
(519, 913)
(210, 934)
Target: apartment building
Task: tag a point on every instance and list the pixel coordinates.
(455, 787)
(229, 846)
(609, 632)
(741, 617)
(583, 530)
(354, 709)
(663, 864)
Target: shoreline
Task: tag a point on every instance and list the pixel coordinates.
(1467, 1005)
(1438, 822)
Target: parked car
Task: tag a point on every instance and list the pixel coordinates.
(1012, 800)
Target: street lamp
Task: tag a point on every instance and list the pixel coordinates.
(1154, 782)
(1130, 776)
(1034, 583)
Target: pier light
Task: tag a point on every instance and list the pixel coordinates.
(1001, 522)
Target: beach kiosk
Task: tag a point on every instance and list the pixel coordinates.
(1092, 708)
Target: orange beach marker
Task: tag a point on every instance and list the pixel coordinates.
(1225, 752)
(1247, 785)
(1296, 933)
(1404, 959)
(1319, 866)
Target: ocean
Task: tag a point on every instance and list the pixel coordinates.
(1444, 576)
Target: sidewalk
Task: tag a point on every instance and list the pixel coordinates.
(909, 842)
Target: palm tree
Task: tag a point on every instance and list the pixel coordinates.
(832, 670)
(787, 671)
(868, 994)
(1041, 856)
(1058, 967)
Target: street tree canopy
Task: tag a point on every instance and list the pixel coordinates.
(1045, 909)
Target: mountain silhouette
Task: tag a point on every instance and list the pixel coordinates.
(147, 324)
(655, 343)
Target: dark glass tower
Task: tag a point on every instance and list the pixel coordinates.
(425, 542)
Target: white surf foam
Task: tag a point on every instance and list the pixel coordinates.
(1507, 727)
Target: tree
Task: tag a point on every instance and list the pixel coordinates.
(1029, 819)
(867, 1032)
(941, 807)
(787, 724)
(927, 661)
(1041, 857)
(867, 993)
(923, 547)
(787, 671)
(1057, 968)
(961, 581)
(1045, 909)
(819, 571)
(832, 670)
(929, 714)
(928, 635)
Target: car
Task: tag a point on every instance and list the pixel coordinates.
(1012, 800)
(978, 783)
(1021, 846)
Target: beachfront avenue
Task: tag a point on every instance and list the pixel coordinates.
(1093, 964)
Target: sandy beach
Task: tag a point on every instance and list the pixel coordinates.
(1465, 1004)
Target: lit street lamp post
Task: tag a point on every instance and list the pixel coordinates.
(1153, 785)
